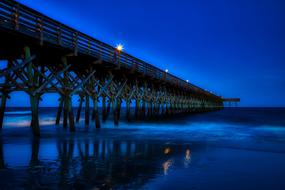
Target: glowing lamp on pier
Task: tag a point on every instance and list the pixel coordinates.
(166, 70)
(187, 81)
(120, 47)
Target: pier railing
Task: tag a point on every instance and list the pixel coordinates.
(17, 17)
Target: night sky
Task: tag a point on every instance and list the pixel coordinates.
(234, 48)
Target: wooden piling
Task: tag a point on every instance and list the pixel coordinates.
(119, 104)
(70, 115)
(128, 111)
(104, 111)
(149, 113)
(162, 110)
(137, 108)
(108, 109)
(34, 98)
(35, 151)
(87, 110)
(115, 111)
(158, 109)
(2, 108)
(143, 108)
(66, 94)
(96, 113)
(65, 113)
(79, 109)
(59, 111)
(5, 95)
(2, 162)
(34, 101)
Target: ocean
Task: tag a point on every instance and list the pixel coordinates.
(234, 148)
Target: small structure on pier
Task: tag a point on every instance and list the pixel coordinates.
(231, 102)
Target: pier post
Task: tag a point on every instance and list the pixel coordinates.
(145, 91)
(65, 95)
(2, 161)
(95, 114)
(149, 108)
(143, 108)
(104, 111)
(2, 108)
(128, 111)
(87, 110)
(165, 108)
(35, 151)
(5, 94)
(137, 107)
(115, 110)
(70, 114)
(119, 103)
(154, 110)
(79, 108)
(65, 113)
(34, 98)
(108, 109)
(171, 107)
(157, 107)
(59, 111)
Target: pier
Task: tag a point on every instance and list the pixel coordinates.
(231, 102)
(45, 56)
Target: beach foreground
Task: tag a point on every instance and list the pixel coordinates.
(238, 148)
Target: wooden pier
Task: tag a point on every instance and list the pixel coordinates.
(45, 56)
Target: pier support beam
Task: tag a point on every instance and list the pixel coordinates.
(59, 111)
(143, 109)
(104, 110)
(2, 108)
(35, 152)
(34, 97)
(128, 109)
(81, 99)
(5, 92)
(64, 87)
(108, 109)
(119, 104)
(95, 113)
(68, 85)
(115, 110)
(2, 161)
(65, 113)
(87, 104)
(137, 108)
(70, 114)
(34, 101)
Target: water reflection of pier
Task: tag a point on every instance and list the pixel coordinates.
(88, 163)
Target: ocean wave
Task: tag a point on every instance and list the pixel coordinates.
(17, 112)
(26, 123)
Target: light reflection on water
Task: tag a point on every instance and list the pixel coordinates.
(84, 163)
(230, 149)
(187, 160)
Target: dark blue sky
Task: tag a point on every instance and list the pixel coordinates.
(234, 48)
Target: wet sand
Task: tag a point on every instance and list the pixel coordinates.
(228, 149)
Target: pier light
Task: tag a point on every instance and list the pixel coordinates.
(119, 47)
(166, 70)
(167, 150)
(187, 81)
